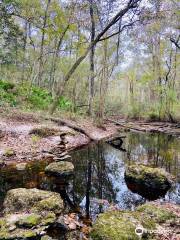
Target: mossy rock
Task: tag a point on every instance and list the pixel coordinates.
(149, 182)
(158, 213)
(29, 220)
(117, 225)
(25, 225)
(60, 169)
(121, 225)
(17, 234)
(34, 200)
(49, 219)
(52, 204)
(28, 213)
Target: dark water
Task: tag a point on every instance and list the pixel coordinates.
(98, 182)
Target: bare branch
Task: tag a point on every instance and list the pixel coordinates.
(119, 31)
(176, 42)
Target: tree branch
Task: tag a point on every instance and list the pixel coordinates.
(130, 5)
(119, 31)
(176, 42)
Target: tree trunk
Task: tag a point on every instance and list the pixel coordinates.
(24, 49)
(92, 52)
(55, 57)
(40, 70)
(131, 4)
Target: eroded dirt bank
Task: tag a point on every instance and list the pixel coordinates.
(28, 136)
(25, 136)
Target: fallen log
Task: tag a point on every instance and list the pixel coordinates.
(73, 126)
(124, 125)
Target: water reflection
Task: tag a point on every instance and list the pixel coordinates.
(98, 181)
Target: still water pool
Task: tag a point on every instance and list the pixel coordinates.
(98, 182)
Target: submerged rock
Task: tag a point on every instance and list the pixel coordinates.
(127, 225)
(35, 200)
(149, 182)
(60, 169)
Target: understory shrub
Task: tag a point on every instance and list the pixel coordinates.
(29, 96)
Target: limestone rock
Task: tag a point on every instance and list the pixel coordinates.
(35, 200)
(149, 182)
(28, 213)
(60, 169)
(123, 225)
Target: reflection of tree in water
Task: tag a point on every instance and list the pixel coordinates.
(158, 150)
(99, 172)
(91, 179)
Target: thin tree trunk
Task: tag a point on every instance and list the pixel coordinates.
(24, 49)
(55, 57)
(103, 84)
(40, 70)
(131, 4)
(92, 52)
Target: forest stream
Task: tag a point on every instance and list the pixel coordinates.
(98, 181)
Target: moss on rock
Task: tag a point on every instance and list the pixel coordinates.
(158, 213)
(29, 220)
(149, 182)
(60, 169)
(25, 225)
(49, 204)
(121, 225)
(22, 199)
(49, 218)
(18, 234)
(28, 212)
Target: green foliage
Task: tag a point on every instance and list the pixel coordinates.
(31, 97)
(153, 116)
(11, 37)
(6, 85)
(64, 103)
(39, 98)
(7, 94)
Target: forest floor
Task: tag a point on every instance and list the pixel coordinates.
(21, 141)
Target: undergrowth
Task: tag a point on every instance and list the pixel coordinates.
(29, 97)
